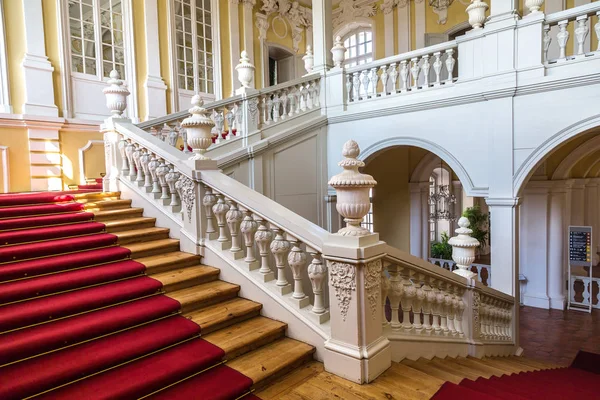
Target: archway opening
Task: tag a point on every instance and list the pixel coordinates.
(282, 65)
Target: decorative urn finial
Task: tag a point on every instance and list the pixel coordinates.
(338, 51)
(116, 95)
(534, 5)
(352, 189)
(476, 11)
(463, 248)
(198, 127)
(309, 59)
(245, 70)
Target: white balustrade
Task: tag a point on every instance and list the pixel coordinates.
(584, 291)
(483, 271)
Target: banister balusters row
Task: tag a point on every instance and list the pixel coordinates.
(581, 29)
(266, 249)
(495, 319)
(286, 102)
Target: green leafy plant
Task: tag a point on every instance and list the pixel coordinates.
(442, 249)
(477, 222)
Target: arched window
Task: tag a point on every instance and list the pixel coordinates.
(359, 47)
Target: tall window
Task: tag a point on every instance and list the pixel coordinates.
(359, 47)
(96, 37)
(194, 45)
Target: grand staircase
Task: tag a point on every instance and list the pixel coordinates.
(98, 302)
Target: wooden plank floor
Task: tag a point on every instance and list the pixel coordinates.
(408, 380)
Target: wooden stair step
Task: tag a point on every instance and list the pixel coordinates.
(517, 366)
(273, 360)
(490, 370)
(223, 314)
(280, 389)
(111, 215)
(142, 235)
(536, 363)
(204, 295)
(519, 361)
(494, 362)
(129, 224)
(424, 366)
(110, 204)
(449, 365)
(147, 249)
(168, 261)
(415, 380)
(246, 336)
(94, 196)
(186, 277)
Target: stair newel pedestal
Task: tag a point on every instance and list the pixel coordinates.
(248, 227)
(297, 260)
(208, 201)
(263, 238)
(280, 248)
(234, 218)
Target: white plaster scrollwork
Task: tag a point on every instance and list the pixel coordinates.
(343, 279)
(373, 285)
(296, 15)
(388, 6)
(476, 302)
(253, 109)
(349, 11)
(185, 188)
(262, 24)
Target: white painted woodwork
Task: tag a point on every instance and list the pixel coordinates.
(156, 89)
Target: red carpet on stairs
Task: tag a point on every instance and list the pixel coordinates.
(580, 381)
(80, 320)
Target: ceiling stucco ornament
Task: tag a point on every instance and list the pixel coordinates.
(349, 10)
(440, 7)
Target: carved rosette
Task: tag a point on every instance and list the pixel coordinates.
(342, 278)
(187, 194)
(263, 238)
(280, 247)
(373, 285)
(316, 274)
(297, 261)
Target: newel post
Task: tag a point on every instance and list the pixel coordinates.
(249, 106)
(116, 101)
(357, 349)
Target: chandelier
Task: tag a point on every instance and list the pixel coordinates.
(442, 202)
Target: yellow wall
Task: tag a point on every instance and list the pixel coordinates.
(15, 30)
(18, 157)
(141, 59)
(70, 143)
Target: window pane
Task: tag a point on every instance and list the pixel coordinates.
(107, 53)
(77, 64)
(76, 47)
(90, 49)
(119, 55)
(90, 66)
(74, 11)
(370, 47)
(88, 31)
(87, 14)
(116, 6)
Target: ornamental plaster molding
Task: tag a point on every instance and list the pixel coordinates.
(373, 285)
(185, 188)
(476, 302)
(81, 153)
(299, 18)
(349, 10)
(343, 279)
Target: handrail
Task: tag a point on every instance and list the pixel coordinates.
(572, 13)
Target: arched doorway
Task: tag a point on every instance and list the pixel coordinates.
(282, 64)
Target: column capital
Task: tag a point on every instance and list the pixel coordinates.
(503, 201)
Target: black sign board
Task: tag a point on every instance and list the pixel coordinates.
(580, 245)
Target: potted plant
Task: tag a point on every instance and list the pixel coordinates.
(478, 223)
(442, 250)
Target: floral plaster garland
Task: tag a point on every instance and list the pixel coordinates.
(373, 285)
(343, 279)
(185, 187)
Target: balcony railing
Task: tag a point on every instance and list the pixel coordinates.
(483, 271)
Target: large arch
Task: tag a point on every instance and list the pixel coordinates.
(448, 158)
(527, 168)
(583, 150)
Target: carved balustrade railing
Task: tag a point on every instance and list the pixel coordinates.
(578, 20)
(584, 291)
(483, 271)
(423, 300)
(417, 70)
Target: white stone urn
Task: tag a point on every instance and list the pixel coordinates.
(338, 51)
(116, 95)
(534, 5)
(198, 127)
(352, 189)
(476, 11)
(309, 59)
(463, 249)
(245, 70)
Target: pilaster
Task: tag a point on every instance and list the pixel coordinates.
(557, 244)
(388, 26)
(156, 90)
(419, 219)
(404, 27)
(249, 32)
(322, 34)
(234, 41)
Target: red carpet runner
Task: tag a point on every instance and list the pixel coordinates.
(580, 381)
(80, 320)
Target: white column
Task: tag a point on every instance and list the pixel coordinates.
(419, 219)
(577, 205)
(322, 34)
(420, 27)
(234, 43)
(556, 247)
(5, 106)
(248, 35)
(388, 25)
(156, 90)
(404, 28)
(39, 89)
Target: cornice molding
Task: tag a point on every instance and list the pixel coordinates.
(49, 123)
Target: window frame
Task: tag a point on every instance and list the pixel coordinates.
(359, 59)
(70, 77)
(180, 98)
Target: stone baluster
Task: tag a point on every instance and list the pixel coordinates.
(234, 218)
(248, 228)
(171, 178)
(437, 68)
(547, 39)
(298, 94)
(304, 104)
(161, 172)
(450, 62)
(297, 261)
(173, 136)
(265, 110)
(229, 117)
(284, 104)
(452, 307)
(208, 201)
(129, 152)
(428, 301)
(292, 99)
(385, 289)
(270, 112)
(365, 83)
(350, 87)
(276, 106)
(153, 131)
(384, 80)
(563, 38)
(152, 167)
(220, 209)
(137, 154)
(263, 238)
(415, 70)
(426, 66)
(317, 271)
(145, 164)
(280, 247)
(395, 295)
(125, 164)
(447, 304)
(404, 75)
(184, 136)
(374, 81)
(418, 306)
(460, 308)
(581, 32)
(393, 76)
(597, 30)
(437, 299)
(165, 132)
(483, 314)
(310, 97)
(409, 294)
(317, 93)
(238, 118)
(356, 85)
